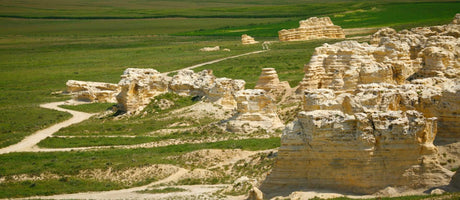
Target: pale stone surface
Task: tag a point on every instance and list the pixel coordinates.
(205, 84)
(312, 28)
(93, 91)
(187, 82)
(255, 110)
(246, 39)
(269, 81)
(216, 48)
(423, 55)
(394, 57)
(138, 87)
(359, 142)
(255, 194)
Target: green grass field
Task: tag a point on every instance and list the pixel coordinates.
(45, 43)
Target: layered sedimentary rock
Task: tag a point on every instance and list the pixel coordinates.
(359, 142)
(93, 91)
(255, 110)
(139, 86)
(371, 113)
(269, 81)
(246, 39)
(205, 84)
(423, 54)
(312, 28)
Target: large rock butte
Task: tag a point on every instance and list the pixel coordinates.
(312, 28)
(93, 91)
(255, 110)
(371, 113)
(139, 86)
(358, 142)
(424, 55)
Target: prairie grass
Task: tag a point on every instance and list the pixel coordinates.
(90, 108)
(70, 163)
(288, 58)
(401, 15)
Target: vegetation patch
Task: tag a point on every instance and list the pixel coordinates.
(90, 108)
(59, 186)
(59, 142)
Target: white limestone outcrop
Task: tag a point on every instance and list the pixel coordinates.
(255, 110)
(312, 28)
(246, 39)
(93, 91)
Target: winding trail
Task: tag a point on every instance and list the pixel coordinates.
(30, 142)
(215, 61)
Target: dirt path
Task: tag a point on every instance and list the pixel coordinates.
(215, 61)
(29, 143)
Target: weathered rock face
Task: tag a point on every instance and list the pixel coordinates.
(93, 91)
(312, 28)
(246, 39)
(372, 112)
(138, 87)
(403, 57)
(359, 142)
(255, 110)
(205, 84)
(270, 82)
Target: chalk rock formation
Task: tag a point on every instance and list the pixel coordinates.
(205, 84)
(393, 57)
(246, 39)
(138, 87)
(312, 28)
(187, 82)
(359, 142)
(255, 110)
(93, 91)
(223, 92)
(270, 82)
(216, 48)
(371, 113)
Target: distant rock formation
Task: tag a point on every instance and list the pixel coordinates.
(93, 91)
(246, 39)
(255, 110)
(269, 81)
(216, 48)
(312, 28)
(372, 112)
(205, 84)
(139, 86)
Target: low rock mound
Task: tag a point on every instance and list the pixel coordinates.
(246, 39)
(93, 91)
(312, 28)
